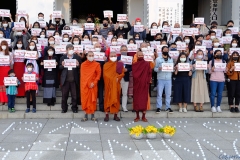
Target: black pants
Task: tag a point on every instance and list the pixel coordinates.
(154, 75)
(100, 94)
(33, 94)
(72, 87)
(233, 92)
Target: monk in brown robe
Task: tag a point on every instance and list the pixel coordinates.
(113, 72)
(142, 73)
(90, 75)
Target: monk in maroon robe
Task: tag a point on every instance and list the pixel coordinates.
(142, 74)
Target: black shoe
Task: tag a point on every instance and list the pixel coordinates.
(64, 111)
(232, 109)
(236, 110)
(49, 104)
(133, 110)
(169, 110)
(158, 110)
(75, 111)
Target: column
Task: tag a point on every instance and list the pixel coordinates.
(65, 7)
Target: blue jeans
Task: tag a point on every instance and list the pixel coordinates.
(11, 101)
(216, 87)
(167, 84)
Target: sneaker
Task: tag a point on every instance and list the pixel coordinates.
(180, 110)
(27, 110)
(232, 109)
(169, 110)
(236, 110)
(185, 110)
(213, 109)
(219, 109)
(9, 110)
(158, 110)
(34, 110)
(155, 89)
(13, 109)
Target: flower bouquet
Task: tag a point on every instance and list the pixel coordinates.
(97, 21)
(151, 132)
(167, 131)
(136, 132)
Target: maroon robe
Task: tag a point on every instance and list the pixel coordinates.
(142, 74)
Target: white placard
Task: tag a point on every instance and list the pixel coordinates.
(132, 47)
(176, 31)
(49, 63)
(166, 29)
(154, 44)
(237, 66)
(21, 12)
(219, 33)
(121, 42)
(70, 63)
(30, 55)
(115, 49)
(29, 77)
(89, 48)
(43, 41)
(58, 40)
(154, 32)
(138, 28)
(78, 48)
(148, 56)
(221, 49)
(231, 50)
(99, 56)
(77, 31)
(108, 13)
(69, 32)
(39, 47)
(42, 24)
(127, 59)
(195, 31)
(35, 31)
(226, 39)
(173, 54)
(138, 42)
(201, 65)
(61, 49)
(19, 25)
(234, 30)
(203, 48)
(183, 67)
(199, 20)
(88, 26)
(4, 12)
(219, 67)
(159, 48)
(57, 14)
(19, 54)
(207, 43)
(181, 46)
(10, 81)
(121, 17)
(50, 33)
(5, 60)
(187, 32)
(167, 67)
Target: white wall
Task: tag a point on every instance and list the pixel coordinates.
(236, 12)
(65, 7)
(136, 10)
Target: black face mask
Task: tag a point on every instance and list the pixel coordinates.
(89, 21)
(157, 39)
(230, 26)
(165, 59)
(105, 24)
(57, 22)
(165, 53)
(219, 56)
(235, 58)
(52, 29)
(137, 38)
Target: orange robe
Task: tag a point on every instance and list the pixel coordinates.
(90, 73)
(112, 87)
(152, 64)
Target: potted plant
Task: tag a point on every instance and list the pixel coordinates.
(167, 131)
(150, 131)
(136, 132)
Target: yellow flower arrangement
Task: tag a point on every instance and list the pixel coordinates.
(168, 130)
(137, 130)
(150, 129)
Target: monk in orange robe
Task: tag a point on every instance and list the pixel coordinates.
(90, 75)
(113, 72)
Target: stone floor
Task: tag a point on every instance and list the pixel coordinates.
(71, 139)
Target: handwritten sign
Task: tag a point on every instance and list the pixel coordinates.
(78, 48)
(21, 12)
(176, 31)
(115, 49)
(29, 77)
(202, 48)
(49, 64)
(226, 40)
(70, 63)
(89, 26)
(207, 43)
(121, 42)
(39, 47)
(43, 41)
(231, 50)
(10, 81)
(19, 25)
(30, 54)
(77, 31)
(167, 67)
(127, 59)
(4, 12)
(89, 48)
(99, 56)
(183, 67)
(50, 33)
(201, 65)
(60, 49)
(35, 31)
(181, 46)
(57, 14)
(173, 54)
(138, 28)
(220, 67)
(237, 66)
(4, 60)
(121, 17)
(166, 29)
(69, 32)
(159, 48)
(19, 54)
(199, 20)
(148, 56)
(154, 32)
(234, 30)
(154, 44)
(42, 24)
(132, 47)
(58, 40)
(138, 42)
(107, 13)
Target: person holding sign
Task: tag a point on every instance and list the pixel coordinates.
(33, 59)
(113, 72)
(90, 75)
(182, 82)
(104, 31)
(50, 76)
(164, 77)
(233, 73)
(142, 34)
(69, 78)
(6, 28)
(122, 30)
(58, 25)
(18, 34)
(199, 89)
(11, 91)
(30, 87)
(217, 69)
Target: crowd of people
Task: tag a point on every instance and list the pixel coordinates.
(111, 79)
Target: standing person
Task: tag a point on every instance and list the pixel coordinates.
(6, 28)
(104, 31)
(122, 30)
(164, 80)
(90, 75)
(24, 36)
(58, 25)
(217, 81)
(182, 84)
(142, 35)
(69, 79)
(50, 78)
(142, 74)
(113, 72)
(31, 88)
(199, 89)
(234, 83)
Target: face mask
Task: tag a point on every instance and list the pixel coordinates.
(198, 44)
(199, 56)
(234, 44)
(138, 23)
(4, 47)
(165, 53)
(89, 21)
(121, 25)
(76, 42)
(90, 58)
(173, 49)
(42, 36)
(216, 44)
(105, 24)
(29, 69)
(65, 39)
(5, 25)
(97, 49)
(51, 42)
(1, 35)
(230, 26)
(154, 27)
(187, 40)
(113, 59)
(137, 38)
(165, 25)
(85, 39)
(131, 44)
(144, 49)
(120, 39)
(50, 53)
(182, 59)
(57, 21)
(22, 21)
(124, 53)
(12, 75)
(165, 59)
(75, 24)
(94, 43)
(52, 29)
(114, 43)
(213, 37)
(219, 56)
(19, 33)
(36, 27)
(31, 47)
(235, 58)
(178, 42)
(34, 41)
(56, 36)
(19, 45)
(40, 18)
(228, 35)
(70, 52)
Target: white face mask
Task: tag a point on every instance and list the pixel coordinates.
(1, 35)
(113, 59)
(5, 25)
(94, 43)
(121, 25)
(216, 44)
(182, 59)
(50, 53)
(42, 36)
(178, 42)
(114, 43)
(70, 52)
(228, 35)
(76, 42)
(213, 37)
(138, 23)
(154, 27)
(56, 36)
(19, 45)
(199, 56)
(4, 47)
(144, 49)
(51, 42)
(97, 49)
(31, 47)
(85, 39)
(40, 18)
(19, 33)
(29, 69)
(234, 44)
(65, 39)
(187, 40)
(75, 24)
(90, 58)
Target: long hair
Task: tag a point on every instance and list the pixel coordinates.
(178, 60)
(7, 48)
(234, 53)
(35, 48)
(19, 40)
